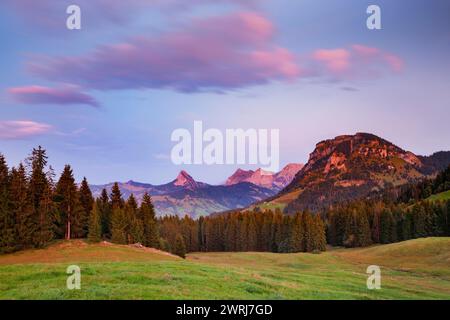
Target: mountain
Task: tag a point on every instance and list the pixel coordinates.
(185, 196)
(266, 179)
(185, 181)
(353, 166)
(285, 176)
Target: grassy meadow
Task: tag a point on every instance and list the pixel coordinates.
(443, 196)
(415, 269)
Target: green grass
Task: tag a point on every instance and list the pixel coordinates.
(440, 196)
(416, 269)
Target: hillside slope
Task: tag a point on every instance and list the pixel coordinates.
(415, 269)
(353, 166)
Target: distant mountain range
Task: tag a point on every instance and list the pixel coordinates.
(270, 180)
(185, 196)
(345, 168)
(351, 167)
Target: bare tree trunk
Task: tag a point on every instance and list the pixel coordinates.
(68, 222)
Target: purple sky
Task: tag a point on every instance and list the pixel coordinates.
(107, 97)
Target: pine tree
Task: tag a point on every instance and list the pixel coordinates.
(46, 211)
(285, 244)
(87, 203)
(41, 198)
(297, 236)
(132, 203)
(180, 247)
(147, 213)
(95, 224)
(363, 233)
(105, 213)
(116, 197)
(276, 233)
(387, 227)
(376, 227)
(71, 217)
(21, 208)
(230, 236)
(8, 238)
(308, 232)
(119, 226)
(38, 179)
(447, 224)
(135, 230)
(320, 234)
(252, 237)
(419, 221)
(266, 230)
(164, 245)
(406, 231)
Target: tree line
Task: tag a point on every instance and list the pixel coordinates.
(413, 192)
(269, 231)
(362, 223)
(35, 210)
(396, 214)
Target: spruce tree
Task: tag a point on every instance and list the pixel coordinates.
(105, 213)
(363, 232)
(180, 247)
(386, 226)
(119, 226)
(419, 221)
(87, 202)
(116, 197)
(320, 234)
(266, 230)
(71, 217)
(376, 227)
(38, 178)
(252, 236)
(297, 236)
(147, 213)
(308, 232)
(95, 224)
(44, 233)
(21, 208)
(276, 233)
(407, 226)
(41, 198)
(135, 230)
(447, 220)
(8, 238)
(132, 203)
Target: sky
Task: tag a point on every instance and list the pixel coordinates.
(106, 98)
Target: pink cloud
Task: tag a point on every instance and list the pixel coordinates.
(215, 53)
(22, 129)
(396, 63)
(336, 60)
(355, 61)
(362, 50)
(44, 95)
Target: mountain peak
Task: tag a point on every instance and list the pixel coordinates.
(185, 180)
(266, 179)
(351, 166)
(239, 176)
(263, 172)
